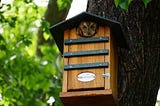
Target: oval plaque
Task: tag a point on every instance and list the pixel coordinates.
(86, 76)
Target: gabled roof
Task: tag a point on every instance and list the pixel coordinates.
(57, 30)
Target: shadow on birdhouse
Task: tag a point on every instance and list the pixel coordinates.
(89, 44)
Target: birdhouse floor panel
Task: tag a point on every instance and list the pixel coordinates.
(88, 98)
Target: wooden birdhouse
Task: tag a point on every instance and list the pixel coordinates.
(89, 44)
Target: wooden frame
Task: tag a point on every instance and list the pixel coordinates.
(76, 90)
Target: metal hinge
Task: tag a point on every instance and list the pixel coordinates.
(106, 75)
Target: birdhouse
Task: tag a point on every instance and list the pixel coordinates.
(89, 44)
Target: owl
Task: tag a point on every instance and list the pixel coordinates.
(87, 29)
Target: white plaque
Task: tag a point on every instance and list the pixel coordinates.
(86, 77)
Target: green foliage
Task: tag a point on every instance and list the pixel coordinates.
(26, 79)
(124, 4)
(146, 2)
(64, 4)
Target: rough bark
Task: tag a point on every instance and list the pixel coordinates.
(52, 15)
(139, 67)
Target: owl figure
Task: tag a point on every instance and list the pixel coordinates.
(87, 29)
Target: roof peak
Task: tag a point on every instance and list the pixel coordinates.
(57, 30)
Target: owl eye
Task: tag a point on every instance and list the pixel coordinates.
(92, 26)
(84, 26)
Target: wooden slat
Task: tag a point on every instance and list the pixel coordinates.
(86, 65)
(107, 58)
(85, 53)
(66, 61)
(86, 40)
(113, 66)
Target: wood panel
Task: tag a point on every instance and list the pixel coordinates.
(65, 61)
(86, 59)
(107, 57)
(73, 83)
(113, 66)
(86, 46)
(97, 83)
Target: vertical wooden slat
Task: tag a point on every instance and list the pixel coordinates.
(113, 66)
(107, 57)
(115, 94)
(66, 61)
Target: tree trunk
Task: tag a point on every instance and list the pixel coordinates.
(139, 67)
(52, 15)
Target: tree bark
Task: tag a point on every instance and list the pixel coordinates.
(139, 67)
(52, 15)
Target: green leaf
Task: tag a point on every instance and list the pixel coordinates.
(46, 36)
(40, 103)
(1, 38)
(27, 42)
(146, 2)
(63, 4)
(28, 1)
(129, 2)
(116, 2)
(9, 6)
(124, 5)
(2, 47)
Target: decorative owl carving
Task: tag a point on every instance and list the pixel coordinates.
(87, 29)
